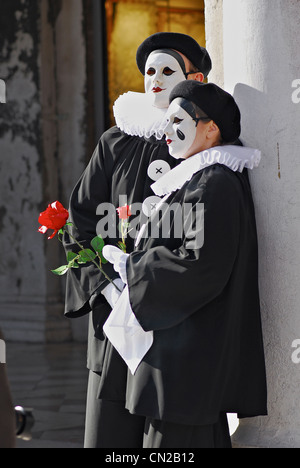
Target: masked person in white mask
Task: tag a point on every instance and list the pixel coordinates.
(191, 310)
(128, 159)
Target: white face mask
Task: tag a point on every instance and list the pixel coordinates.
(180, 131)
(162, 74)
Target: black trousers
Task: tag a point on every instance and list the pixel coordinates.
(163, 434)
(110, 425)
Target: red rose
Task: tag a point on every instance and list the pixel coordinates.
(55, 217)
(124, 212)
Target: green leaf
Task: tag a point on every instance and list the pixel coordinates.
(61, 270)
(71, 256)
(86, 255)
(81, 261)
(98, 243)
(103, 260)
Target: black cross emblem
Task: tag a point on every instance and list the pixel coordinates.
(159, 171)
(153, 206)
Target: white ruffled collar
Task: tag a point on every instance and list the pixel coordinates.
(136, 116)
(236, 158)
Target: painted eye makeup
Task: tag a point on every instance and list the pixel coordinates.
(162, 73)
(180, 130)
(177, 121)
(168, 71)
(151, 72)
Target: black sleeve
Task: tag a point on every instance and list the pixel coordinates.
(168, 286)
(93, 188)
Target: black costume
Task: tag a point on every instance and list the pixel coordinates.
(196, 297)
(119, 166)
(127, 160)
(203, 305)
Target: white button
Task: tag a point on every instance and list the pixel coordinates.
(158, 168)
(150, 204)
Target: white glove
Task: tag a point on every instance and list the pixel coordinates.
(118, 258)
(111, 293)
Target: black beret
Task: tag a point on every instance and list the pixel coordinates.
(217, 104)
(169, 40)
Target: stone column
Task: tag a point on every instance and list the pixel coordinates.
(214, 39)
(22, 262)
(65, 132)
(42, 154)
(261, 68)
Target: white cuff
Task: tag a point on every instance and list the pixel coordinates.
(111, 293)
(118, 258)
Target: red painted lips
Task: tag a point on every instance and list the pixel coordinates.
(157, 90)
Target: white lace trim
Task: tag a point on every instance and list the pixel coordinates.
(235, 158)
(136, 116)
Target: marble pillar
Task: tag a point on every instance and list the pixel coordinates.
(261, 60)
(42, 153)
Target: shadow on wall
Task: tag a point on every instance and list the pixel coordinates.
(252, 122)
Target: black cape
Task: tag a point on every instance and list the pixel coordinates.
(119, 166)
(203, 306)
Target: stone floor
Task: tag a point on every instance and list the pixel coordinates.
(52, 379)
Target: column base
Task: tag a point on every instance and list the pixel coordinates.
(260, 433)
(34, 322)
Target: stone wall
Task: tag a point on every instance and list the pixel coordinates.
(261, 63)
(42, 153)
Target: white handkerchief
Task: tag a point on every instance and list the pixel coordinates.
(126, 334)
